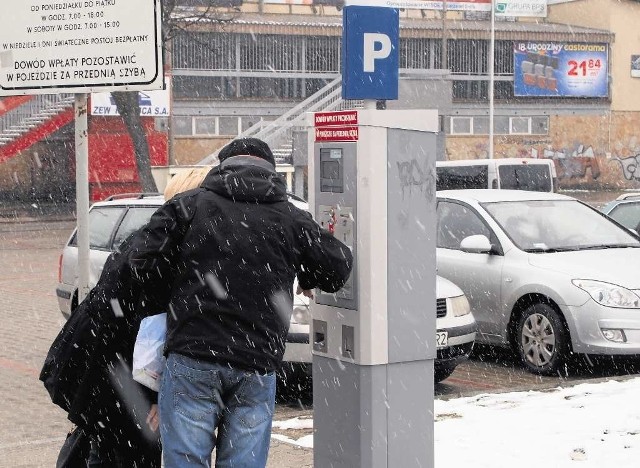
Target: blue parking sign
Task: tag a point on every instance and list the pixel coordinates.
(370, 58)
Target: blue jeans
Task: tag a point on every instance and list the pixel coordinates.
(198, 397)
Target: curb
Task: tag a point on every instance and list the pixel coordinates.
(31, 219)
(538, 387)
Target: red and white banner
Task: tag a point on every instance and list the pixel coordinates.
(336, 126)
(337, 133)
(328, 119)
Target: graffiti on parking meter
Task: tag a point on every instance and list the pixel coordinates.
(88, 44)
(412, 174)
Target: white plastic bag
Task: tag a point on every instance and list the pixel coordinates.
(148, 358)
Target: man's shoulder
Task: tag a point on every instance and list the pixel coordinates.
(188, 194)
(295, 213)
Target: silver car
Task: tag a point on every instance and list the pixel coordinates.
(544, 273)
(626, 210)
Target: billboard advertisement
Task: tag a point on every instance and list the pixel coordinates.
(555, 69)
(451, 5)
(535, 8)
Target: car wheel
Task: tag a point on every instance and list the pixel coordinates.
(542, 340)
(440, 374)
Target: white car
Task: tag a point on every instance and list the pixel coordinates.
(544, 273)
(455, 328)
(111, 222)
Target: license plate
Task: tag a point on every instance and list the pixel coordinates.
(441, 339)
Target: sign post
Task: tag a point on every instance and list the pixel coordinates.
(81, 47)
(82, 193)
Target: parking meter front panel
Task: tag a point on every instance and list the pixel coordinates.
(335, 201)
(335, 210)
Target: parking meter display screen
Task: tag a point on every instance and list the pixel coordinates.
(331, 171)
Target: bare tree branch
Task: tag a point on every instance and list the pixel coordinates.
(128, 107)
(176, 18)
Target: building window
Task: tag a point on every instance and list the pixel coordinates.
(462, 125)
(210, 125)
(213, 125)
(228, 126)
(204, 126)
(182, 126)
(481, 125)
(248, 122)
(519, 125)
(540, 125)
(502, 125)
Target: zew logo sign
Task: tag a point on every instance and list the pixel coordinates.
(370, 58)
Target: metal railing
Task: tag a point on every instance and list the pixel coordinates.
(278, 133)
(19, 120)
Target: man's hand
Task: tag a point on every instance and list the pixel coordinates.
(305, 292)
(153, 418)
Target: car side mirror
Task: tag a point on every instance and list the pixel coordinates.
(476, 244)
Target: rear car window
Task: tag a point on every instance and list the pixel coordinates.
(534, 177)
(627, 214)
(102, 221)
(133, 220)
(462, 177)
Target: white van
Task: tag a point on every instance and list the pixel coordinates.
(506, 173)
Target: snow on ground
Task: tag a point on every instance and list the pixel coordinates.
(591, 425)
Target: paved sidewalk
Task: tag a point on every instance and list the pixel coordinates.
(32, 429)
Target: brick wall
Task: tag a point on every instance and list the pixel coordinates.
(590, 151)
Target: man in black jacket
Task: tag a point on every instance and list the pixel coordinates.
(232, 248)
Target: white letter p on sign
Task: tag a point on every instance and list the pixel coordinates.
(370, 52)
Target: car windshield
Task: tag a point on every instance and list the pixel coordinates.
(557, 225)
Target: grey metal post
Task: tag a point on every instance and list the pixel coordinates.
(82, 193)
(373, 342)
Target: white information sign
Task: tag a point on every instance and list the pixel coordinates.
(49, 46)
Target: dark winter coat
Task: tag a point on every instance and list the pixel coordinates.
(87, 370)
(236, 245)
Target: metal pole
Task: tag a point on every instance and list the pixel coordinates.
(444, 63)
(82, 194)
(492, 45)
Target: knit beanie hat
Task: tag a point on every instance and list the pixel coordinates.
(247, 146)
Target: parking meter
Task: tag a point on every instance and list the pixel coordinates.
(372, 184)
